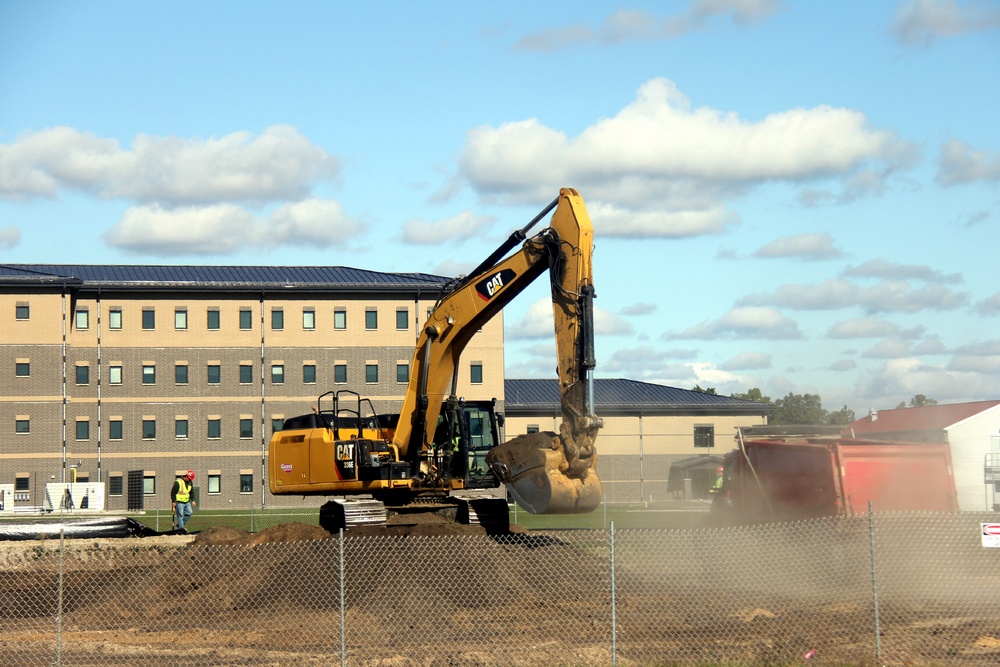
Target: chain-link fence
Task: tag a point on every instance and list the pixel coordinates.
(889, 589)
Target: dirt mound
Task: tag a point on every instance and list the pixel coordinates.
(285, 532)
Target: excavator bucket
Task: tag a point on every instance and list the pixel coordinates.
(533, 468)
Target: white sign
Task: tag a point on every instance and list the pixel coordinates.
(991, 534)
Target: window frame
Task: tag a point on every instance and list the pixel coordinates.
(371, 373)
(112, 428)
(277, 319)
(278, 370)
(339, 369)
(180, 319)
(149, 429)
(116, 485)
(246, 314)
(18, 424)
(246, 434)
(115, 319)
(402, 373)
(81, 319)
(217, 479)
(309, 319)
(214, 425)
(248, 368)
(22, 312)
(701, 432)
(404, 314)
(83, 369)
(22, 369)
(340, 319)
(308, 373)
(148, 319)
(149, 374)
(218, 373)
(244, 487)
(178, 428)
(476, 372)
(209, 319)
(82, 430)
(371, 319)
(179, 370)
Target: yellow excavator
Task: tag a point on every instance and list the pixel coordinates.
(441, 446)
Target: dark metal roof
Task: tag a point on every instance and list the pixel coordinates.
(626, 397)
(129, 277)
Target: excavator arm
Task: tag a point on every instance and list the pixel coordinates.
(545, 472)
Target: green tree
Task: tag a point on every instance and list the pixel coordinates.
(753, 394)
(918, 401)
(840, 417)
(799, 409)
(707, 390)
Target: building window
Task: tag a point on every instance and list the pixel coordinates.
(476, 372)
(402, 319)
(276, 424)
(371, 373)
(246, 374)
(181, 429)
(22, 482)
(115, 430)
(340, 374)
(214, 374)
(181, 373)
(214, 483)
(149, 485)
(371, 319)
(309, 374)
(114, 374)
(532, 428)
(246, 428)
(277, 319)
(22, 369)
(213, 319)
(22, 311)
(83, 429)
(704, 436)
(402, 373)
(278, 374)
(340, 318)
(148, 319)
(22, 426)
(309, 319)
(214, 428)
(149, 374)
(115, 485)
(246, 482)
(115, 318)
(82, 318)
(181, 319)
(148, 429)
(246, 320)
(83, 374)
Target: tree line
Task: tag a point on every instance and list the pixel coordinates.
(808, 408)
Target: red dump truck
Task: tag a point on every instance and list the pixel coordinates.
(780, 478)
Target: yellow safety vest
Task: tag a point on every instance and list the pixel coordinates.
(183, 490)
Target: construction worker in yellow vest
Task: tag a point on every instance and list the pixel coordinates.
(180, 498)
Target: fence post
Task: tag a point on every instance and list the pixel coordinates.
(614, 605)
(871, 555)
(343, 649)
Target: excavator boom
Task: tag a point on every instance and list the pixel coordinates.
(545, 472)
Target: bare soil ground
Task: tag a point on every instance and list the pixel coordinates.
(226, 597)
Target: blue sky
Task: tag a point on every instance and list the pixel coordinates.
(797, 196)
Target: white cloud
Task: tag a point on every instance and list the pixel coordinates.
(744, 323)
(278, 165)
(872, 327)
(920, 21)
(891, 348)
(639, 309)
(539, 322)
(747, 361)
(842, 365)
(989, 306)
(10, 237)
(637, 25)
(225, 229)
(960, 163)
(803, 246)
(660, 167)
(887, 296)
(465, 225)
(880, 268)
(901, 379)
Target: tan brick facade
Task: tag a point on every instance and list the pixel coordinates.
(120, 379)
